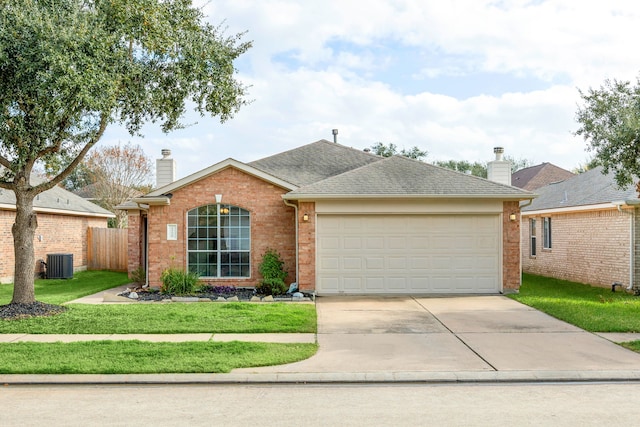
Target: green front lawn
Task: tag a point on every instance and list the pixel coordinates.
(129, 357)
(58, 291)
(172, 318)
(594, 309)
(137, 357)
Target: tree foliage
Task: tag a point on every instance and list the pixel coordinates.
(391, 150)
(70, 68)
(464, 166)
(479, 168)
(610, 124)
(118, 173)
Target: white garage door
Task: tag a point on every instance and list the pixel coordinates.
(408, 254)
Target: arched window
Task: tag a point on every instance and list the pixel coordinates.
(219, 241)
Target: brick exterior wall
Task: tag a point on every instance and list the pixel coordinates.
(586, 247)
(307, 245)
(511, 276)
(60, 234)
(272, 224)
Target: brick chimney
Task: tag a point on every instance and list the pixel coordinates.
(165, 169)
(499, 170)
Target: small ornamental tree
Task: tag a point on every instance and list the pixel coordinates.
(70, 68)
(273, 274)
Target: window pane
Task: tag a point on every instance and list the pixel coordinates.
(214, 230)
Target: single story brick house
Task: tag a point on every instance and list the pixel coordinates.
(63, 220)
(344, 221)
(584, 229)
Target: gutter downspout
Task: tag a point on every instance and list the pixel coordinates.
(295, 208)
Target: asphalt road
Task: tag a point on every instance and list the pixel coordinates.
(322, 405)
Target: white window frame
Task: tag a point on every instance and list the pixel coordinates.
(547, 238)
(172, 231)
(533, 248)
(222, 210)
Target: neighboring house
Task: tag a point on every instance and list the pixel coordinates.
(584, 229)
(63, 219)
(344, 221)
(534, 177)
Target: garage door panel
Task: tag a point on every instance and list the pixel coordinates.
(396, 263)
(351, 263)
(375, 263)
(396, 283)
(374, 284)
(352, 283)
(329, 263)
(374, 243)
(409, 253)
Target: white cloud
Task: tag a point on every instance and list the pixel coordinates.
(344, 74)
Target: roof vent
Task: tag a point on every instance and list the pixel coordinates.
(335, 135)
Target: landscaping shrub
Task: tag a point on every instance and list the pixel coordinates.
(273, 274)
(178, 282)
(139, 276)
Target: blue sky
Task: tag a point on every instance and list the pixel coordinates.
(455, 78)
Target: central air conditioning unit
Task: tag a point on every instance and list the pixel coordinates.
(59, 266)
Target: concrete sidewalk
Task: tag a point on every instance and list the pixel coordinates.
(405, 339)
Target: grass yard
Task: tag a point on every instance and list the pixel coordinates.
(173, 318)
(137, 357)
(58, 291)
(594, 309)
(130, 357)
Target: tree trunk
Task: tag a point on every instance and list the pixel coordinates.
(23, 231)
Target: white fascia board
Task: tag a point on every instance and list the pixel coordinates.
(10, 207)
(153, 201)
(216, 168)
(311, 197)
(568, 209)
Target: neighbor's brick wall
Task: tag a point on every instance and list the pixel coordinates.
(272, 223)
(636, 249)
(510, 247)
(307, 245)
(587, 247)
(60, 234)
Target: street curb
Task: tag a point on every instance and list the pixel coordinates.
(327, 378)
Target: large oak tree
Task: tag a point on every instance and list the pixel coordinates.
(70, 68)
(610, 124)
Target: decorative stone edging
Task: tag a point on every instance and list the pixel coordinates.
(107, 297)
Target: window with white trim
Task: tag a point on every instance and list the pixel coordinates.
(532, 236)
(219, 241)
(546, 232)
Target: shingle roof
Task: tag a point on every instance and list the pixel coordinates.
(58, 199)
(314, 162)
(403, 177)
(589, 188)
(538, 176)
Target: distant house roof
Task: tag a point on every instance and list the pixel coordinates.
(534, 177)
(404, 177)
(59, 201)
(589, 188)
(314, 162)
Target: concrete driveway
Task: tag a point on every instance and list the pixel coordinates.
(450, 334)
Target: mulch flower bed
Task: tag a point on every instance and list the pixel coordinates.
(24, 311)
(213, 293)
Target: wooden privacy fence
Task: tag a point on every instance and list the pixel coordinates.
(107, 249)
